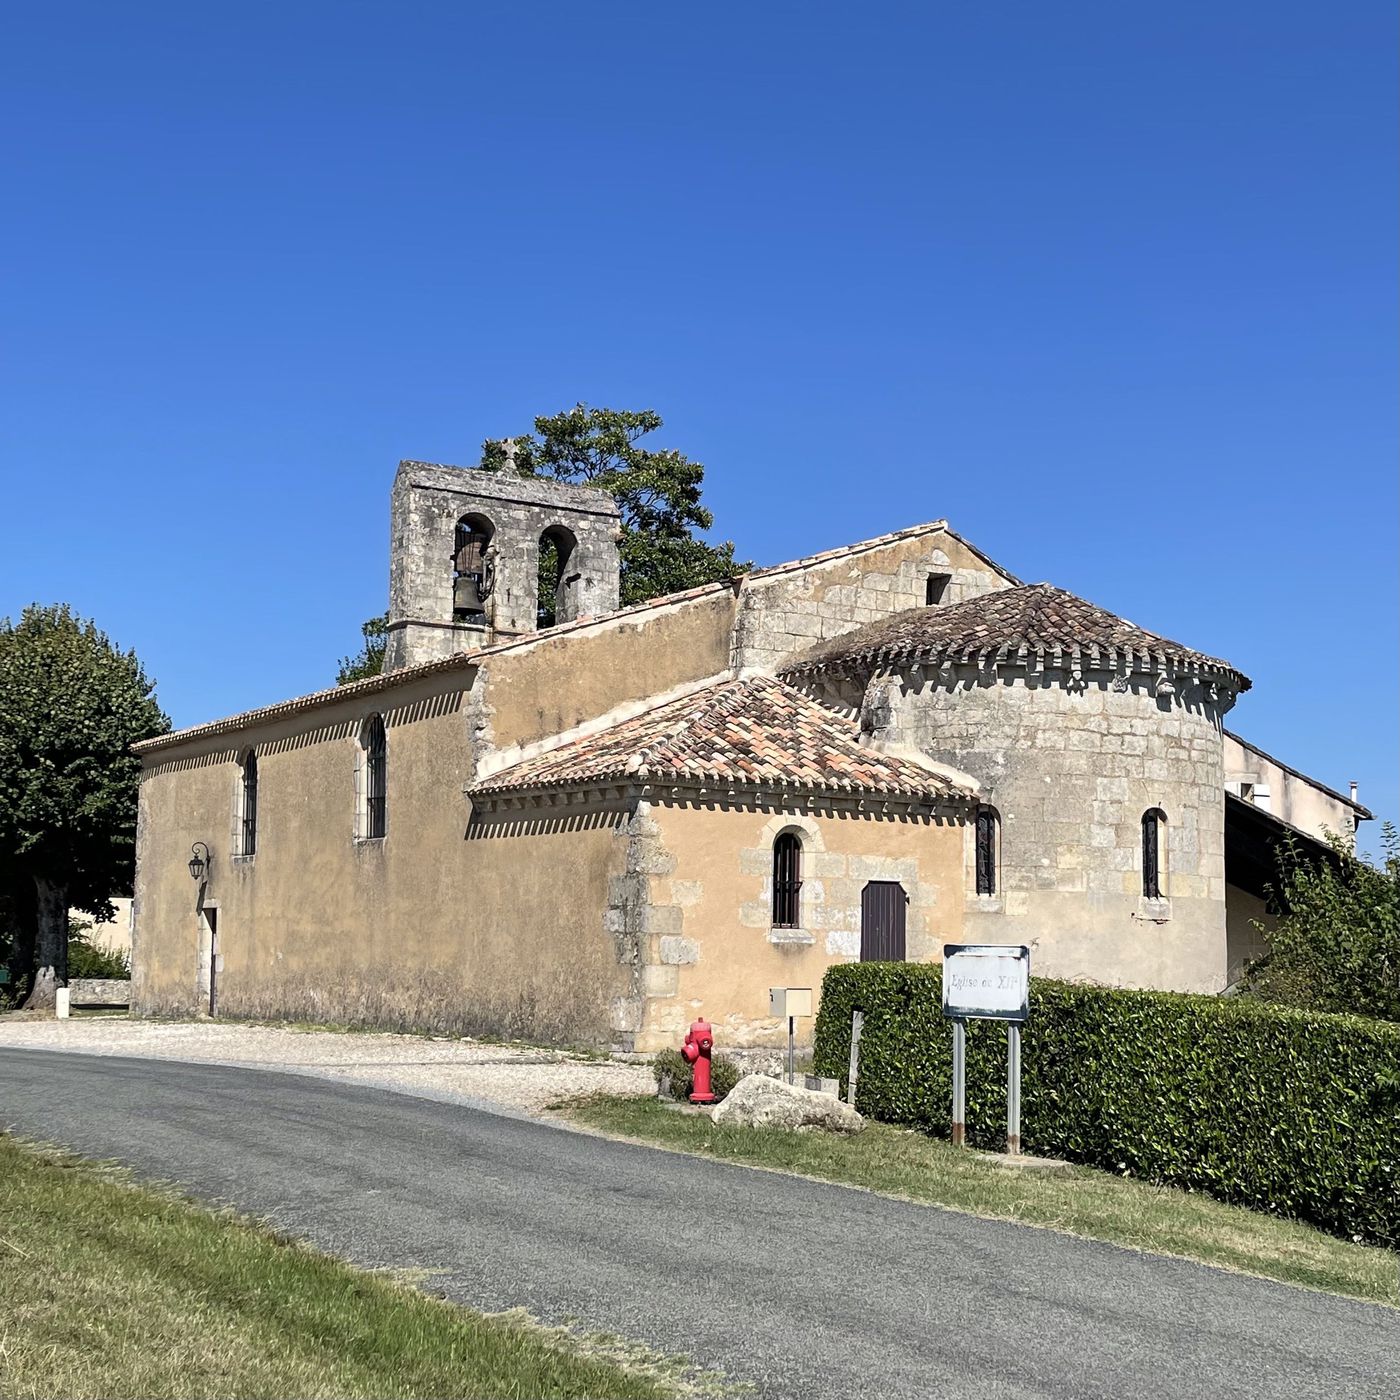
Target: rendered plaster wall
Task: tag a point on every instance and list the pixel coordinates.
(1248, 924)
(431, 927)
(1071, 771)
(558, 681)
(427, 502)
(702, 887)
(1291, 797)
(788, 611)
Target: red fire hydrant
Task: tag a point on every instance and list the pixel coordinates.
(699, 1042)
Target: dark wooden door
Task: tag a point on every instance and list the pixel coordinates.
(882, 905)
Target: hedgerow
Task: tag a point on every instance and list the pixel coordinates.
(1288, 1111)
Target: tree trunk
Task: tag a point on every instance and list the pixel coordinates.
(51, 944)
(21, 906)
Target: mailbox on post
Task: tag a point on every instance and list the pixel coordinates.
(790, 1002)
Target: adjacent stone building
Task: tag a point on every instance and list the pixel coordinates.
(593, 830)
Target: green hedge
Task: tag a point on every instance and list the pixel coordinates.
(1288, 1111)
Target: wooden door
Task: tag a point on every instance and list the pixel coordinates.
(882, 908)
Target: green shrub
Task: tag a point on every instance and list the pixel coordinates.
(87, 959)
(1287, 1111)
(724, 1074)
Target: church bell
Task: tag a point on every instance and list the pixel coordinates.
(466, 594)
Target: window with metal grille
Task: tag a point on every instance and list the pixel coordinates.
(787, 881)
(376, 772)
(987, 824)
(248, 825)
(1154, 822)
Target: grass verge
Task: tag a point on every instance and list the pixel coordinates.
(1075, 1201)
(110, 1289)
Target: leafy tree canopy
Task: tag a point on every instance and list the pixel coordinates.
(71, 705)
(657, 492)
(1337, 943)
(369, 660)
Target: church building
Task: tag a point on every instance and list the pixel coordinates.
(556, 819)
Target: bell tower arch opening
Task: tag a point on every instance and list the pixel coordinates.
(471, 572)
(558, 579)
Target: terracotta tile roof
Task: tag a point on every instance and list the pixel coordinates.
(756, 732)
(1036, 618)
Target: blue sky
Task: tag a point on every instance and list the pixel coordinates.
(1109, 286)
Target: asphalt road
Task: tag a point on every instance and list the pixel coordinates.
(803, 1289)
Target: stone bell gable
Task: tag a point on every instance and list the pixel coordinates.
(464, 557)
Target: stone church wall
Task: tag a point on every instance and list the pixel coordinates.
(1071, 772)
(700, 889)
(786, 611)
(424, 928)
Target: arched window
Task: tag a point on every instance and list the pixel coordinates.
(787, 881)
(375, 768)
(1154, 852)
(248, 806)
(470, 585)
(988, 842)
(556, 602)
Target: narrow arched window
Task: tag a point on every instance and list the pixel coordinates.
(376, 776)
(1154, 840)
(248, 806)
(987, 840)
(787, 881)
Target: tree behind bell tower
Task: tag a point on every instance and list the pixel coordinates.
(657, 493)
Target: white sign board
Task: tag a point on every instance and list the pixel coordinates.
(789, 1001)
(988, 982)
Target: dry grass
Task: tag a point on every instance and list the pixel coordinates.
(1076, 1200)
(113, 1290)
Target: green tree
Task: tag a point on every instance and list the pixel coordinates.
(1337, 943)
(369, 660)
(71, 706)
(657, 492)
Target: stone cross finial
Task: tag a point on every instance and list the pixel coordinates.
(510, 468)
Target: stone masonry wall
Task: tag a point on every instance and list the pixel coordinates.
(426, 504)
(786, 613)
(1071, 769)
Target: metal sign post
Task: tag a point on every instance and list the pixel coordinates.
(959, 1083)
(987, 982)
(790, 1002)
(1013, 1090)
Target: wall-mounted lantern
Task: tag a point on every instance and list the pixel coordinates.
(200, 860)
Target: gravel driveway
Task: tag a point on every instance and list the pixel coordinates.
(518, 1079)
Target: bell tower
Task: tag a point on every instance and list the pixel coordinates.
(464, 557)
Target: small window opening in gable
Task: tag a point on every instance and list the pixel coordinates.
(787, 881)
(375, 747)
(935, 587)
(1154, 832)
(471, 582)
(988, 840)
(248, 806)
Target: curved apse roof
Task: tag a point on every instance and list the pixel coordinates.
(1037, 619)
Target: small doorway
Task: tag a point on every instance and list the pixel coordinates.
(211, 963)
(882, 906)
